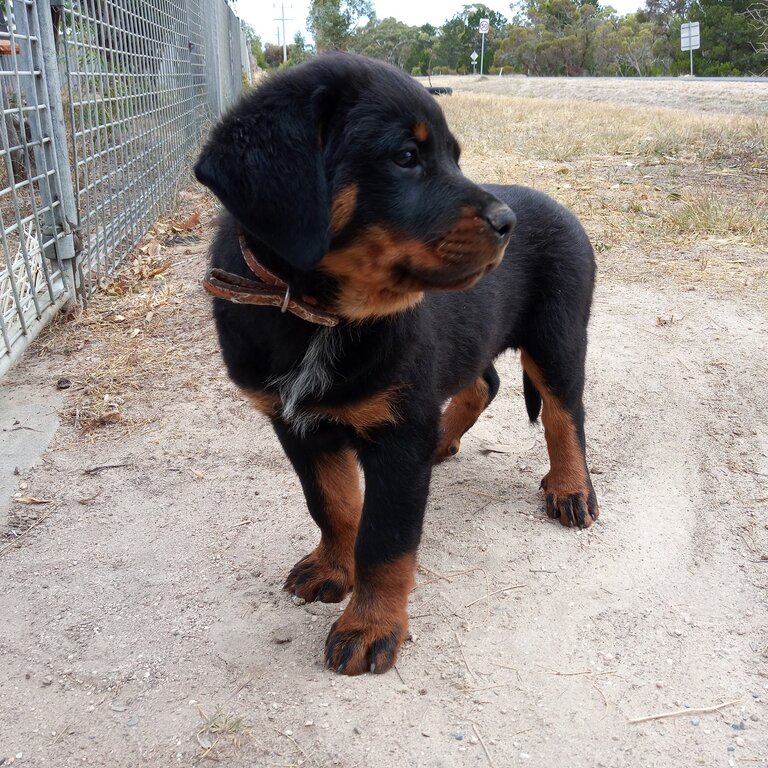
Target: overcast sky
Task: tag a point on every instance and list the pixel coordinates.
(264, 15)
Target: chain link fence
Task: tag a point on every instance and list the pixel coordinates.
(103, 105)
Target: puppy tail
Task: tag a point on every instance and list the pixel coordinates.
(532, 398)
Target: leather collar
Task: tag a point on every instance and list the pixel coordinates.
(269, 290)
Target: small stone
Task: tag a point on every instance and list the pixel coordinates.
(659, 684)
(309, 723)
(459, 736)
(288, 732)
(740, 741)
(281, 635)
(473, 740)
(754, 718)
(524, 756)
(47, 680)
(133, 721)
(356, 730)
(695, 721)
(425, 733)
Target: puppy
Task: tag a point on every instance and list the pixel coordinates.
(364, 287)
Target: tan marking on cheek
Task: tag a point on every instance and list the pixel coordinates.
(375, 270)
(367, 272)
(420, 131)
(343, 207)
(266, 402)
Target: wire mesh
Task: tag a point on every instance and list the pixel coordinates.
(136, 107)
(31, 270)
(140, 81)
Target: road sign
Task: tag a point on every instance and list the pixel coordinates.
(485, 25)
(474, 56)
(690, 37)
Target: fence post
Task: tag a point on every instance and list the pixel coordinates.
(46, 89)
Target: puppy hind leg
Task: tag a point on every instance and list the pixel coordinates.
(567, 486)
(463, 411)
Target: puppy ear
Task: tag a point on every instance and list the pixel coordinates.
(264, 162)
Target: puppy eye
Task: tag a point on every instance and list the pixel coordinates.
(406, 158)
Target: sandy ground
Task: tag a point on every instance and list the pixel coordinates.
(143, 622)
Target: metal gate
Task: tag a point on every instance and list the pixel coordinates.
(103, 104)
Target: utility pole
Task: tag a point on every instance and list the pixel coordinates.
(281, 18)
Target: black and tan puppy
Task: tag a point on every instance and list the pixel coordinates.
(362, 284)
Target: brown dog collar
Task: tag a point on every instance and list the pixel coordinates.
(268, 291)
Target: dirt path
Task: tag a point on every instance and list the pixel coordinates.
(143, 621)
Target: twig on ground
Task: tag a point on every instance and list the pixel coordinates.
(466, 663)
(96, 470)
(496, 592)
(482, 744)
(679, 712)
(576, 674)
(34, 525)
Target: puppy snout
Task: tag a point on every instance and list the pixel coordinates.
(501, 219)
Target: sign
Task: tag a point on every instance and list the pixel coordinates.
(474, 56)
(485, 25)
(690, 38)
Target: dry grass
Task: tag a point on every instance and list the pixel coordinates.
(124, 337)
(662, 192)
(220, 729)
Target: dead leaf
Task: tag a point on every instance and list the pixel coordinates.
(189, 223)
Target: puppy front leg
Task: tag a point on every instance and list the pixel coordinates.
(327, 467)
(397, 465)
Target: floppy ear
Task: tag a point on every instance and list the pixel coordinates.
(264, 162)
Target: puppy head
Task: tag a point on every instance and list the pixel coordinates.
(263, 160)
(346, 165)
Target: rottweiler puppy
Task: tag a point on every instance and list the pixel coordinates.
(363, 289)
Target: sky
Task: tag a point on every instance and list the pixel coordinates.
(262, 14)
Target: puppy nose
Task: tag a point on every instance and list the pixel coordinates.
(501, 219)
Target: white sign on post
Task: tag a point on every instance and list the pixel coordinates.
(485, 25)
(690, 39)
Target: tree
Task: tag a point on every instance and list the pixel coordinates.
(563, 39)
(255, 45)
(333, 22)
(757, 13)
(460, 35)
(422, 51)
(728, 40)
(389, 39)
(298, 50)
(625, 47)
